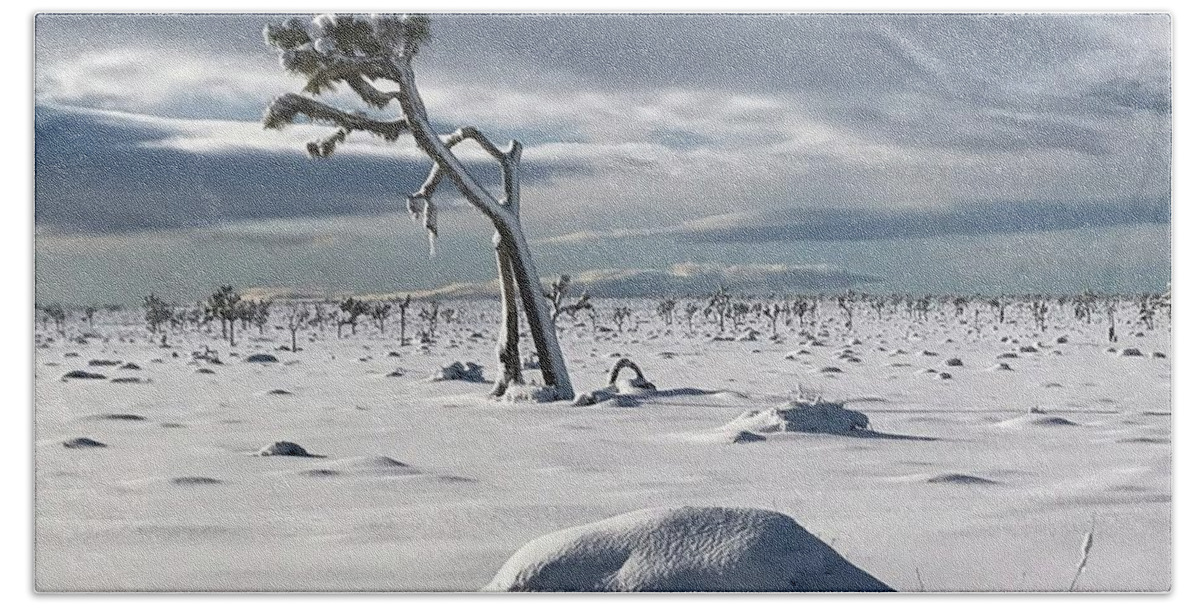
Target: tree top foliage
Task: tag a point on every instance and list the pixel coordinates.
(330, 48)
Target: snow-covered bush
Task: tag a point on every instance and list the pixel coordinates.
(467, 372)
(801, 417)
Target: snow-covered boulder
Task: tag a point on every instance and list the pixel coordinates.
(683, 549)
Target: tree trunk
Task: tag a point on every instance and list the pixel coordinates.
(541, 329)
(504, 216)
(508, 346)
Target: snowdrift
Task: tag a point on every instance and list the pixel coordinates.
(683, 549)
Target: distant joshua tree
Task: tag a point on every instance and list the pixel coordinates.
(379, 313)
(846, 303)
(689, 312)
(401, 305)
(259, 313)
(620, 315)
(225, 304)
(319, 316)
(352, 310)
(772, 313)
(922, 306)
(557, 297)
(1148, 304)
(157, 312)
(878, 304)
(1040, 310)
(999, 304)
(58, 315)
(89, 316)
(429, 314)
(720, 305)
(361, 52)
(1085, 305)
(960, 305)
(802, 307)
(666, 310)
(296, 316)
(1110, 309)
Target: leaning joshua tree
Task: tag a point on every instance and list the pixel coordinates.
(362, 52)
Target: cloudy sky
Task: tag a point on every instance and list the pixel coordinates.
(925, 153)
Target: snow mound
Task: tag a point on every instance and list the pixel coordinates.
(467, 372)
(960, 479)
(194, 480)
(383, 466)
(801, 417)
(262, 358)
(531, 393)
(683, 549)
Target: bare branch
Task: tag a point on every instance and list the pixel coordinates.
(463, 134)
(431, 183)
(284, 110)
(369, 93)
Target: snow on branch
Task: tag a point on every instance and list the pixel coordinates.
(284, 110)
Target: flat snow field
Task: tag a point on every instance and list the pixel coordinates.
(431, 486)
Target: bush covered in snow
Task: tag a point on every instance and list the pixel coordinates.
(467, 372)
(801, 417)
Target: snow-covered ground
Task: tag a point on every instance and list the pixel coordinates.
(422, 485)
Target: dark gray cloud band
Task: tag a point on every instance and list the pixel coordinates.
(815, 224)
(96, 174)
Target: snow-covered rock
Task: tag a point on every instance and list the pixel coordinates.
(683, 549)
